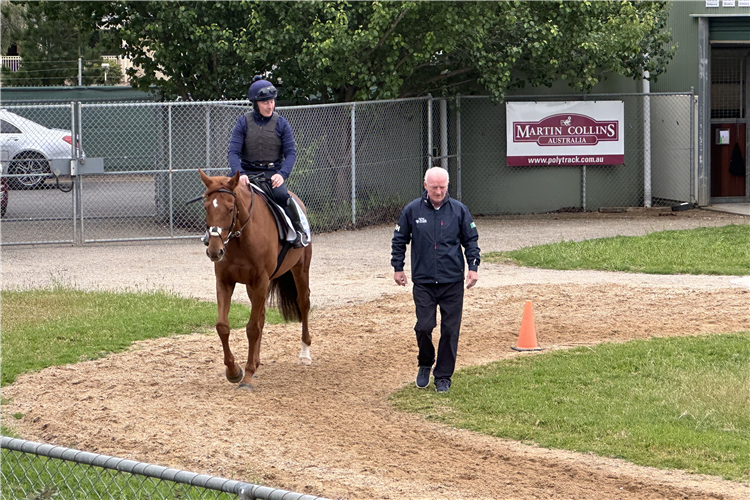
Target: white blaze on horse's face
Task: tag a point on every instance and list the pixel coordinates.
(216, 203)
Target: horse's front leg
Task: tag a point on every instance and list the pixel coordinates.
(257, 294)
(224, 300)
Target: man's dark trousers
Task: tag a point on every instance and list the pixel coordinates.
(450, 298)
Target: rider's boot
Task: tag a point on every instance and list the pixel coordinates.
(291, 211)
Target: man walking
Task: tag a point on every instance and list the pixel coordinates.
(437, 227)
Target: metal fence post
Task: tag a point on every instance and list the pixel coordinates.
(429, 130)
(444, 133)
(583, 188)
(458, 146)
(208, 136)
(646, 142)
(73, 154)
(77, 180)
(354, 163)
(693, 167)
(169, 175)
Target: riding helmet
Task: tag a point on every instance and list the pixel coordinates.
(261, 90)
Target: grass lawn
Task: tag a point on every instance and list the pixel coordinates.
(718, 250)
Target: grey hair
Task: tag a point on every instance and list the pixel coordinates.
(429, 170)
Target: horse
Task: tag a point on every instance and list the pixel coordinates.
(244, 246)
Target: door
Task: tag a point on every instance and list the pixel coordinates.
(728, 160)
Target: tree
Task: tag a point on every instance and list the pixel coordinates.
(54, 37)
(343, 51)
(12, 24)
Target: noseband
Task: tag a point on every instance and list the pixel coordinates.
(216, 230)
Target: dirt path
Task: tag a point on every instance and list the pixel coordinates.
(328, 429)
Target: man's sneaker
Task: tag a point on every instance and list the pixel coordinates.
(442, 384)
(423, 376)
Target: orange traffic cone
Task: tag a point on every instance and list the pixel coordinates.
(527, 337)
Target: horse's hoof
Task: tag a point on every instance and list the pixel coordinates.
(245, 386)
(305, 361)
(236, 379)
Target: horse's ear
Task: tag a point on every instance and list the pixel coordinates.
(234, 181)
(206, 179)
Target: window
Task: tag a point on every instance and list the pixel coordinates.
(727, 84)
(7, 128)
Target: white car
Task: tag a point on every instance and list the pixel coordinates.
(29, 146)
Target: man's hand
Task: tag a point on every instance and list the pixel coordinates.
(471, 279)
(277, 180)
(243, 180)
(400, 278)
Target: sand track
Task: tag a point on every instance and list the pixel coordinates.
(328, 429)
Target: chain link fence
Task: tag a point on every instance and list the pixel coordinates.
(357, 164)
(36, 471)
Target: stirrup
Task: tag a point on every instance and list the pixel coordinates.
(301, 240)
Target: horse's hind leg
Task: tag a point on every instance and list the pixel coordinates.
(301, 275)
(224, 299)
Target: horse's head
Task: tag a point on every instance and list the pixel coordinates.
(220, 203)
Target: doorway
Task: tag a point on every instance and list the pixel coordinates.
(729, 141)
(728, 160)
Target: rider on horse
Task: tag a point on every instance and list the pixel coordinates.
(263, 143)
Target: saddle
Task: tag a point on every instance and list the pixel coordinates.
(284, 226)
(263, 189)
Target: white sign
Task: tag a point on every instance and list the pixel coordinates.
(722, 137)
(727, 3)
(712, 3)
(565, 133)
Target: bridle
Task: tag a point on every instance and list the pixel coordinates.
(217, 230)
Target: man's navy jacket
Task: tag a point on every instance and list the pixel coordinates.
(436, 238)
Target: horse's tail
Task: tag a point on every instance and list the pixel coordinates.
(283, 293)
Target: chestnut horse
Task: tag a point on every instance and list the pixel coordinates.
(244, 246)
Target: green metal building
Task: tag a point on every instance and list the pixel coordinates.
(713, 38)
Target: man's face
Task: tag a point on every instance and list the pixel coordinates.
(436, 186)
(266, 107)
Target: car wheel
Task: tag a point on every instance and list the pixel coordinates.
(30, 166)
